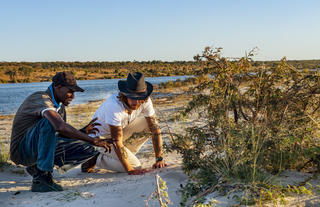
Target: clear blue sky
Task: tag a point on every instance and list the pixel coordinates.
(168, 30)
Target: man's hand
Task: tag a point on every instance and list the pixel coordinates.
(103, 143)
(139, 171)
(159, 164)
(90, 128)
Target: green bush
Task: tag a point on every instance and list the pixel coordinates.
(256, 121)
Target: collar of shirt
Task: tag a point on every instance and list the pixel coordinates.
(56, 104)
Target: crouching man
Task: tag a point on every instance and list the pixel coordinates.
(41, 138)
(128, 111)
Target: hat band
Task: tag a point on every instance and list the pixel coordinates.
(141, 91)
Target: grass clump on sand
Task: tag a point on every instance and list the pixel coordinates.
(257, 123)
(4, 158)
(5, 133)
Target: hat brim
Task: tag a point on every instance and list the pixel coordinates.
(122, 85)
(76, 88)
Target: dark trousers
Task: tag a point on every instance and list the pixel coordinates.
(42, 146)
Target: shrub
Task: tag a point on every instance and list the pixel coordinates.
(256, 121)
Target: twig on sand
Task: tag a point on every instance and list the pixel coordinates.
(158, 190)
(159, 193)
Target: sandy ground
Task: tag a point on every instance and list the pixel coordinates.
(106, 188)
(99, 189)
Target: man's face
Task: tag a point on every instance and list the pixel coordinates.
(65, 95)
(134, 104)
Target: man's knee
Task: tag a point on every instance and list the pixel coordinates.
(76, 150)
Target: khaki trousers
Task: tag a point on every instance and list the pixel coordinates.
(132, 145)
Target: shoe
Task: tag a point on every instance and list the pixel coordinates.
(88, 166)
(43, 182)
(32, 170)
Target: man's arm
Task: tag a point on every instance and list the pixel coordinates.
(156, 140)
(117, 137)
(69, 131)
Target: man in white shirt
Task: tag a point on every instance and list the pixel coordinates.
(128, 111)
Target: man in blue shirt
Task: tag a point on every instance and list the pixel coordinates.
(41, 138)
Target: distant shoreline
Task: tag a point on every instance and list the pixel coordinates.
(29, 72)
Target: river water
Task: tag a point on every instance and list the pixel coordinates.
(13, 94)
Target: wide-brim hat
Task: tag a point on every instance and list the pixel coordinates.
(135, 87)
